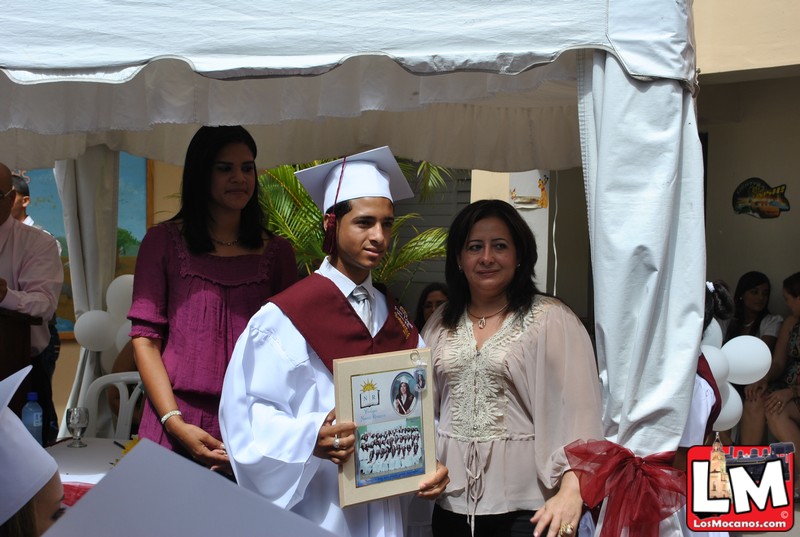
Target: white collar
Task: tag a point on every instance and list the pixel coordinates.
(345, 284)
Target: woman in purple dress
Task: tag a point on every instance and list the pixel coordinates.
(199, 278)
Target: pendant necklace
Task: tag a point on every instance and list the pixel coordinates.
(482, 320)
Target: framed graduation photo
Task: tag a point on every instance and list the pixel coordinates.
(390, 399)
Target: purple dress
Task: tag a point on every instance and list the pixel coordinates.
(198, 305)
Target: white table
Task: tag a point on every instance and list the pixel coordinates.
(85, 465)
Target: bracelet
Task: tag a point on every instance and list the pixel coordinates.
(169, 414)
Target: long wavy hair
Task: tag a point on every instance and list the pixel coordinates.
(196, 190)
(748, 281)
(522, 289)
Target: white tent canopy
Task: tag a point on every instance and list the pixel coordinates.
(469, 80)
(502, 86)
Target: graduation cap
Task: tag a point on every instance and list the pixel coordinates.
(371, 174)
(25, 466)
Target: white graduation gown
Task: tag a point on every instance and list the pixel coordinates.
(275, 397)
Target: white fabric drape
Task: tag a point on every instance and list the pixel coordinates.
(644, 186)
(88, 187)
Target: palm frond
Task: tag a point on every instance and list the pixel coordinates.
(292, 214)
(430, 244)
(430, 178)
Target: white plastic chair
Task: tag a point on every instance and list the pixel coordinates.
(127, 403)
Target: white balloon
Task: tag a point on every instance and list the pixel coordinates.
(119, 296)
(95, 330)
(718, 363)
(749, 359)
(122, 336)
(731, 411)
(713, 335)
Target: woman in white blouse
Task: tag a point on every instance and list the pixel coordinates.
(751, 317)
(516, 381)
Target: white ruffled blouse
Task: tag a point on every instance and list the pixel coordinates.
(507, 410)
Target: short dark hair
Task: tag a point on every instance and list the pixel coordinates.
(522, 289)
(340, 209)
(196, 190)
(20, 185)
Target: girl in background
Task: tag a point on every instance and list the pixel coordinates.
(751, 317)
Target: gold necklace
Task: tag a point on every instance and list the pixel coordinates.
(222, 243)
(482, 320)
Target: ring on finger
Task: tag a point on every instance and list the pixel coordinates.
(336, 443)
(566, 529)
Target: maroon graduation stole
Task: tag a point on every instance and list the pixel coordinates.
(330, 325)
(704, 370)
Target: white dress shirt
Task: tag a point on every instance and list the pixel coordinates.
(31, 266)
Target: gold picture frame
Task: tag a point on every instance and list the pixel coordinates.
(395, 436)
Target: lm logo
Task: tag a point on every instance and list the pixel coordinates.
(740, 488)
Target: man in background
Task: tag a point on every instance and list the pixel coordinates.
(31, 276)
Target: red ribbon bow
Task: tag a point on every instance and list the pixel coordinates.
(641, 491)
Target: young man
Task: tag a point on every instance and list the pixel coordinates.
(277, 411)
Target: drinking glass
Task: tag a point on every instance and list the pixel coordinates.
(77, 421)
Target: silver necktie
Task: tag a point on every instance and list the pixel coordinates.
(363, 306)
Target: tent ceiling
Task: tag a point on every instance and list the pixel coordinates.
(461, 84)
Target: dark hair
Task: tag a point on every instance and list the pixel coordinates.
(792, 284)
(340, 209)
(20, 185)
(748, 281)
(419, 316)
(521, 291)
(196, 190)
(329, 235)
(400, 390)
(719, 303)
(22, 523)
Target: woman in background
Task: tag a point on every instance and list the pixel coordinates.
(433, 296)
(782, 405)
(199, 278)
(751, 317)
(516, 382)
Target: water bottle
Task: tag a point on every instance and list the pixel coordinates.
(32, 416)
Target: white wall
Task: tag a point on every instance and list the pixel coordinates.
(753, 131)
